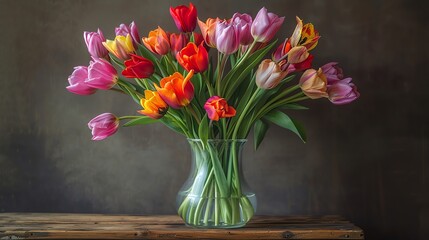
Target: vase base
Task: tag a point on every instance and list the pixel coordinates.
(212, 225)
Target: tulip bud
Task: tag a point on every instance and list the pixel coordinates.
(265, 25)
(332, 72)
(101, 74)
(77, 82)
(121, 47)
(94, 43)
(217, 107)
(208, 30)
(227, 38)
(103, 126)
(138, 67)
(242, 24)
(269, 74)
(184, 17)
(124, 30)
(157, 42)
(342, 92)
(313, 84)
(297, 55)
(177, 42)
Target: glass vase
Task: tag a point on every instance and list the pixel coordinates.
(216, 194)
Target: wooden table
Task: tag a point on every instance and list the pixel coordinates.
(98, 226)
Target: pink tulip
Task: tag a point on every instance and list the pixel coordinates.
(269, 74)
(94, 43)
(77, 81)
(227, 38)
(123, 30)
(243, 23)
(101, 74)
(343, 92)
(332, 72)
(103, 125)
(265, 25)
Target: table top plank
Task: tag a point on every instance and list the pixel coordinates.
(102, 226)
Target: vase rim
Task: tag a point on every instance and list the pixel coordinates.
(241, 140)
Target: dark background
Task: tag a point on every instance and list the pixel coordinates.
(367, 161)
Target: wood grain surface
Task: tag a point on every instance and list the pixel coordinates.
(98, 226)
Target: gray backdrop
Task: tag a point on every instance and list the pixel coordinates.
(367, 161)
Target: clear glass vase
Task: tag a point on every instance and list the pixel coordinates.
(216, 194)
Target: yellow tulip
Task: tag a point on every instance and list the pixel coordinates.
(121, 47)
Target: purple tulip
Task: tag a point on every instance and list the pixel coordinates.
(243, 23)
(265, 25)
(77, 82)
(227, 38)
(342, 92)
(103, 126)
(332, 72)
(123, 30)
(94, 43)
(101, 74)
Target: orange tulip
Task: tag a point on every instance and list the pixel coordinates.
(153, 105)
(177, 91)
(157, 42)
(314, 83)
(208, 30)
(217, 107)
(194, 58)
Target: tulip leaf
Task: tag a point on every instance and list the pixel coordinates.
(140, 121)
(172, 125)
(259, 131)
(281, 119)
(293, 106)
(242, 69)
(127, 89)
(117, 61)
(203, 129)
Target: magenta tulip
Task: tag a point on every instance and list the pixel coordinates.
(123, 30)
(94, 43)
(227, 38)
(332, 72)
(77, 81)
(103, 126)
(242, 24)
(265, 25)
(342, 92)
(101, 74)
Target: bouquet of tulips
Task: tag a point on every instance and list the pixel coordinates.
(217, 84)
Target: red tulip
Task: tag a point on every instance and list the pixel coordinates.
(138, 67)
(177, 42)
(194, 58)
(184, 17)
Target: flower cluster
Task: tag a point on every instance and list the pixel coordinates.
(172, 79)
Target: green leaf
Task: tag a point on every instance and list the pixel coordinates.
(203, 129)
(259, 131)
(140, 121)
(117, 61)
(172, 125)
(293, 106)
(234, 78)
(281, 119)
(130, 91)
(147, 53)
